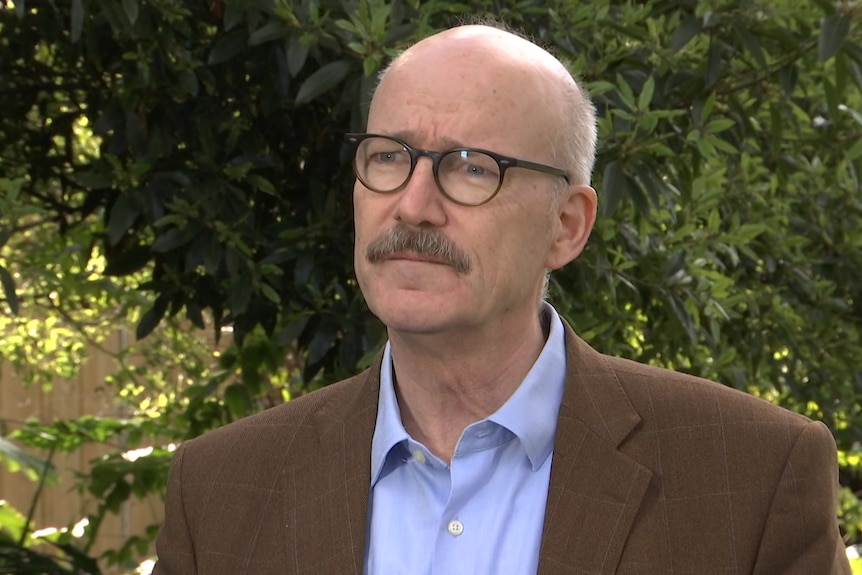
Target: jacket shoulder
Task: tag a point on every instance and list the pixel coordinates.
(298, 422)
(675, 399)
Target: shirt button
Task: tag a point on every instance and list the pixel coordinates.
(419, 456)
(455, 528)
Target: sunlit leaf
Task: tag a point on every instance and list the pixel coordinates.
(32, 465)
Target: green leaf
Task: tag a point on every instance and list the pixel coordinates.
(748, 232)
(5, 234)
(12, 521)
(195, 314)
(614, 188)
(123, 215)
(271, 31)
(227, 47)
(322, 342)
(322, 80)
(833, 32)
(719, 125)
(92, 179)
(233, 13)
(76, 20)
(297, 53)
(370, 65)
(113, 13)
(174, 238)
(716, 64)
(151, 318)
(32, 465)
(626, 94)
(855, 151)
(788, 76)
(128, 261)
(292, 331)
(238, 399)
(600, 87)
(833, 98)
(189, 81)
(131, 9)
(675, 263)
(752, 45)
(687, 30)
(270, 293)
(239, 294)
(9, 291)
(645, 97)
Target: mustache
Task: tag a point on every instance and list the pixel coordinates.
(423, 241)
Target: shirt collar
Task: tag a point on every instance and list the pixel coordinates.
(530, 413)
(388, 431)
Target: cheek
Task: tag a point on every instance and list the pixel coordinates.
(363, 217)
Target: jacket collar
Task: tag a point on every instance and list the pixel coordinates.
(595, 490)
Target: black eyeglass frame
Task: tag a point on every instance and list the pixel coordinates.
(504, 163)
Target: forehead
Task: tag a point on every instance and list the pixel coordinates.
(467, 91)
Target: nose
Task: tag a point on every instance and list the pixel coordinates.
(420, 201)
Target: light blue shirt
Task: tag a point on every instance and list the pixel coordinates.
(483, 514)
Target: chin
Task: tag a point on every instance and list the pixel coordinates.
(413, 315)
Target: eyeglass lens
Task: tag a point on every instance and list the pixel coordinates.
(384, 165)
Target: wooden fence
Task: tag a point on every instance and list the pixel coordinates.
(61, 504)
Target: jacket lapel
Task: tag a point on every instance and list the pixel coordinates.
(595, 490)
(327, 483)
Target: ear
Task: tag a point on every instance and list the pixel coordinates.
(575, 216)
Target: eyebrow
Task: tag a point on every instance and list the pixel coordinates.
(408, 136)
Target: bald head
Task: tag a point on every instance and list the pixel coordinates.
(454, 111)
(513, 85)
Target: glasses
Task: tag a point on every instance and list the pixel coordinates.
(466, 176)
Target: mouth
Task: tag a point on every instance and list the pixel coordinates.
(414, 257)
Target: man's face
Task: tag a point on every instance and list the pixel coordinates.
(438, 99)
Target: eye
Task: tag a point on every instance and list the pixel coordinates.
(387, 157)
(383, 151)
(475, 164)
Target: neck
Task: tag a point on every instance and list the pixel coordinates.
(445, 383)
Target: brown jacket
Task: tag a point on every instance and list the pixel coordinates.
(653, 472)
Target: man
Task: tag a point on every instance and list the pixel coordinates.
(488, 438)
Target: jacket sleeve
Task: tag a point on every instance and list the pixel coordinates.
(174, 546)
(801, 534)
